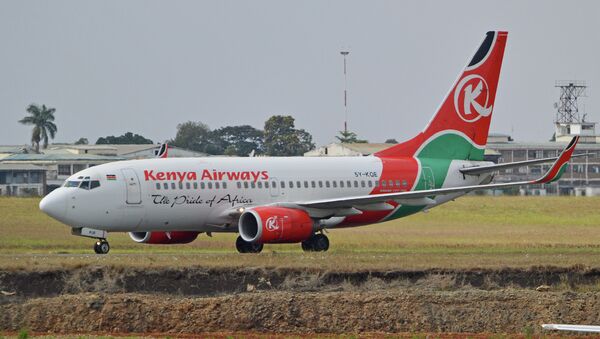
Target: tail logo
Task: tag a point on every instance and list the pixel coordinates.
(469, 102)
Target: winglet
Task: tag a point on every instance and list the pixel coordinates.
(559, 166)
(162, 151)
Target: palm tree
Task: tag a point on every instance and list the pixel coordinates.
(42, 120)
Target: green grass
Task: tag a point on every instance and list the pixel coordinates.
(471, 231)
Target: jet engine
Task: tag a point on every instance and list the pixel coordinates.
(167, 238)
(275, 225)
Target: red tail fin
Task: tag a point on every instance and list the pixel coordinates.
(459, 129)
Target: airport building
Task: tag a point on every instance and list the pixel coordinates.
(22, 180)
(20, 166)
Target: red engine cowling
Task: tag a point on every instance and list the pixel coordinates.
(275, 225)
(175, 237)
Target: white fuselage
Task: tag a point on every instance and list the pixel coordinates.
(198, 193)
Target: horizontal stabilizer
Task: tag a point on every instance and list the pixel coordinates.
(477, 170)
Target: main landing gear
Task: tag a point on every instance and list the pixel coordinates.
(101, 246)
(247, 247)
(316, 243)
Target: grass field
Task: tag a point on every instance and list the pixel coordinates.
(469, 232)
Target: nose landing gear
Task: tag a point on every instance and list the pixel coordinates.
(101, 246)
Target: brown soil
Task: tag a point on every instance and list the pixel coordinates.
(197, 300)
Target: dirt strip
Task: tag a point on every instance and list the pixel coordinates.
(504, 311)
(260, 300)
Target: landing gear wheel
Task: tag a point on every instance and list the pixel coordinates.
(316, 243)
(247, 247)
(101, 246)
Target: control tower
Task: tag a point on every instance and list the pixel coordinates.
(568, 121)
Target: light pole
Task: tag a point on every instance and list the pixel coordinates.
(344, 54)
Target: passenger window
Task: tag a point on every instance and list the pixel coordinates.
(334, 184)
(349, 184)
(320, 184)
(202, 185)
(85, 185)
(188, 185)
(245, 184)
(383, 183)
(355, 183)
(172, 185)
(282, 184)
(239, 184)
(404, 183)
(195, 185)
(369, 183)
(291, 184)
(266, 184)
(224, 185)
(252, 184)
(158, 185)
(305, 184)
(96, 183)
(376, 183)
(217, 185)
(313, 184)
(397, 183)
(275, 184)
(391, 182)
(327, 183)
(342, 183)
(180, 185)
(209, 185)
(259, 184)
(166, 186)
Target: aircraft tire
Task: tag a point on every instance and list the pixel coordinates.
(101, 247)
(243, 246)
(321, 242)
(316, 243)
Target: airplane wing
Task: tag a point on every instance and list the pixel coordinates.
(424, 197)
(574, 328)
(476, 170)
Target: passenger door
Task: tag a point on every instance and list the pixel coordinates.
(132, 183)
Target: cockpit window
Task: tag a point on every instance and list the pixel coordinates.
(72, 183)
(85, 184)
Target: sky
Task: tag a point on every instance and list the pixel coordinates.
(109, 67)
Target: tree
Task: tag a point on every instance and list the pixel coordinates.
(282, 139)
(196, 136)
(391, 141)
(43, 126)
(239, 140)
(82, 141)
(125, 139)
(347, 137)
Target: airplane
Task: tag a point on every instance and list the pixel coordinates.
(296, 199)
(572, 328)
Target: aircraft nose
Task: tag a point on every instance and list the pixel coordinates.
(55, 205)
